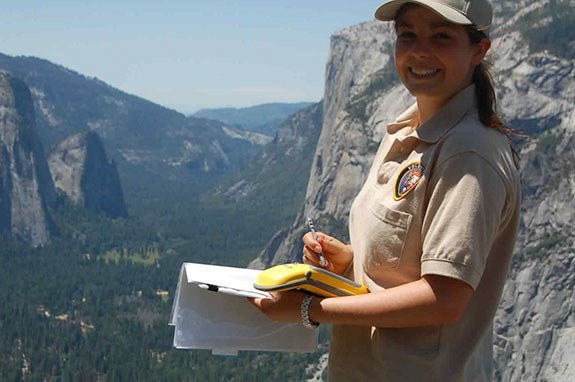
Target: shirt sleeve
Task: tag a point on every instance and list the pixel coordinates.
(466, 198)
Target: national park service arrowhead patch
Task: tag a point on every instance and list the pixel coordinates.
(407, 180)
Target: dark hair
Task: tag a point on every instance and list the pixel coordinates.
(485, 90)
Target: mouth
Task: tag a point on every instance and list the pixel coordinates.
(423, 72)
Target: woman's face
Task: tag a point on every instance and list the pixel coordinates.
(434, 57)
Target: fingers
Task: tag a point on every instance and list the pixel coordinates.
(311, 250)
(261, 302)
(257, 302)
(330, 244)
(310, 257)
(311, 243)
(282, 306)
(311, 253)
(314, 248)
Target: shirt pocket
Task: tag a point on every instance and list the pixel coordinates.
(386, 233)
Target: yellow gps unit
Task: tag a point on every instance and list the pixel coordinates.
(312, 279)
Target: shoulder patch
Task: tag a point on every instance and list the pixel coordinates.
(408, 179)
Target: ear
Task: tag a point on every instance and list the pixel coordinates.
(481, 49)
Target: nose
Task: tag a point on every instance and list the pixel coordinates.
(420, 47)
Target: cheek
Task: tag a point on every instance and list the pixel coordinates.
(456, 61)
(399, 55)
(396, 52)
(464, 65)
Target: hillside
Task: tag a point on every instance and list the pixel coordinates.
(150, 143)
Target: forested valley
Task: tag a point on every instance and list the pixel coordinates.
(94, 304)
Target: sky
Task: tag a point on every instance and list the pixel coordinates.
(187, 54)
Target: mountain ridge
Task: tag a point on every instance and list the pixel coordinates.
(264, 118)
(136, 132)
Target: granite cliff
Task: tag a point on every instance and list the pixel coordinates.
(81, 170)
(78, 167)
(533, 55)
(25, 184)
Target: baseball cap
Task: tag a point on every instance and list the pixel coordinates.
(466, 12)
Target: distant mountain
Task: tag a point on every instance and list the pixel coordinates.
(292, 146)
(265, 119)
(146, 140)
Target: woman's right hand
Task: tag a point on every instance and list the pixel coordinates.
(337, 254)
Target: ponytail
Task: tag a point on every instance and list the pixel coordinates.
(487, 100)
(485, 91)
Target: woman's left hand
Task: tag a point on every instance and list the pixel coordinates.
(282, 306)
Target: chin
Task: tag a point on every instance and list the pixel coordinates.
(419, 92)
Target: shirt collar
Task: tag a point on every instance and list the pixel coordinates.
(441, 122)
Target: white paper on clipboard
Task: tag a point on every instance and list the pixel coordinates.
(227, 323)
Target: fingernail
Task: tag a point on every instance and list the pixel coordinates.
(317, 248)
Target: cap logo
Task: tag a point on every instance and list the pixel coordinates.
(408, 179)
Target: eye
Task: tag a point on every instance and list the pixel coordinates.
(405, 35)
(442, 36)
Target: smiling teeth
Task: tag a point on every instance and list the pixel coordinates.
(423, 72)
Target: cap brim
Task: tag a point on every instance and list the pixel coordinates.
(388, 10)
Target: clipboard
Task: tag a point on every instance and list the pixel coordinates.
(211, 311)
(312, 279)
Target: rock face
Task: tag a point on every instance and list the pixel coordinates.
(81, 170)
(358, 57)
(25, 184)
(535, 325)
(290, 153)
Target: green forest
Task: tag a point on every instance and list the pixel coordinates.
(94, 304)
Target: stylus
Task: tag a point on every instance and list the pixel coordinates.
(322, 260)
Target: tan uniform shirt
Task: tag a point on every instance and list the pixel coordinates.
(440, 199)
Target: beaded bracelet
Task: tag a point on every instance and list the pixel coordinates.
(305, 313)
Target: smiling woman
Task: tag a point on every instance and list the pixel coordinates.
(433, 228)
(435, 58)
